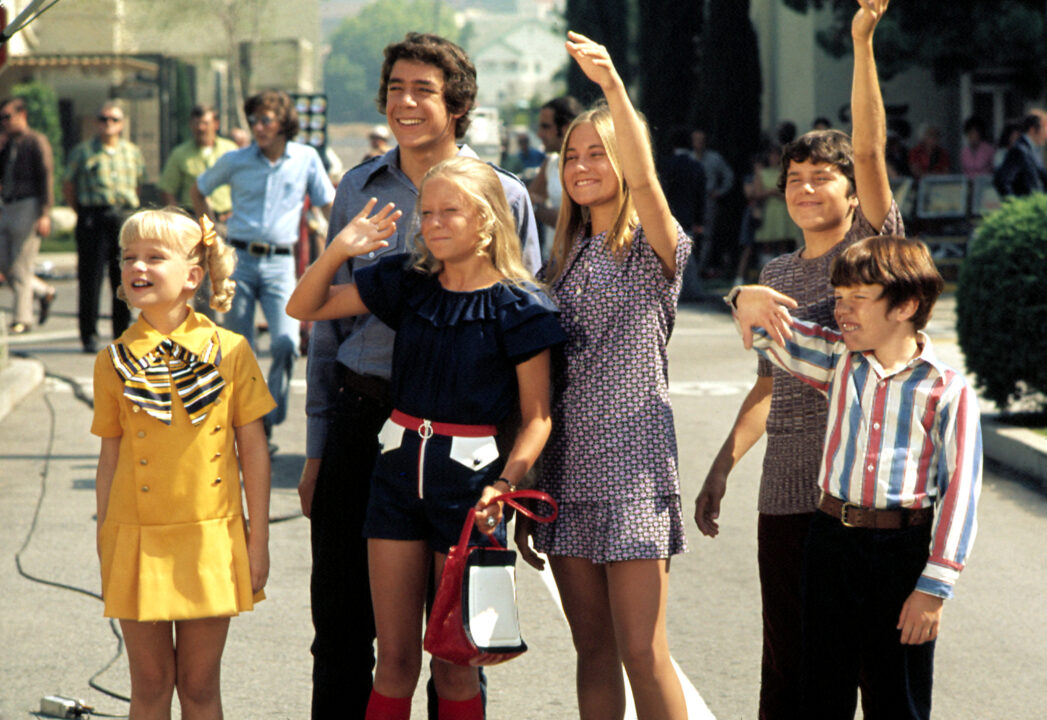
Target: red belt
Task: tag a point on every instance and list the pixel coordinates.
(428, 428)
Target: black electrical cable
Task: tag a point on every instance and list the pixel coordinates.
(79, 393)
(82, 396)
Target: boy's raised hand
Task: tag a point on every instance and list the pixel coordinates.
(764, 307)
(868, 15)
(366, 233)
(593, 59)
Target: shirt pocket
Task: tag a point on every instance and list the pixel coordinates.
(97, 170)
(390, 436)
(474, 453)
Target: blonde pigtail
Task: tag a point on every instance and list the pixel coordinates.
(219, 260)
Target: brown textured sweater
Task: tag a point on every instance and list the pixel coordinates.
(796, 423)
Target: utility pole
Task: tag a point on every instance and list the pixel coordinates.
(31, 11)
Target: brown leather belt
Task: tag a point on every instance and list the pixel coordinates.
(261, 249)
(851, 515)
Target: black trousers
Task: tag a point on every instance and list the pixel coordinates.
(343, 644)
(98, 254)
(780, 543)
(855, 583)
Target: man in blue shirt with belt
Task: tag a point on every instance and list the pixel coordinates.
(269, 180)
(427, 88)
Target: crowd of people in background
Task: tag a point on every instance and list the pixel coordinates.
(724, 250)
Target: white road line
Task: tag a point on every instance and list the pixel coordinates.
(696, 707)
(699, 388)
(37, 337)
(694, 388)
(723, 331)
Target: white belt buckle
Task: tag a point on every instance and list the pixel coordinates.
(425, 430)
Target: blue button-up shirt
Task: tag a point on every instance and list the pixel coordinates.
(363, 343)
(268, 196)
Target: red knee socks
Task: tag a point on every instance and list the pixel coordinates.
(471, 709)
(380, 707)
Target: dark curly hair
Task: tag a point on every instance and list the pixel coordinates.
(280, 104)
(820, 146)
(459, 72)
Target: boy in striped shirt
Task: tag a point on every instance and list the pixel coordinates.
(900, 477)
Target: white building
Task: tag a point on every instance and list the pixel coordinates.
(517, 58)
(145, 54)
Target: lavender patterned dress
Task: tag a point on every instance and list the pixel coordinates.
(611, 459)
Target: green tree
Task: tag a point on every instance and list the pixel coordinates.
(667, 67)
(730, 85)
(607, 22)
(952, 37)
(353, 67)
(233, 22)
(41, 106)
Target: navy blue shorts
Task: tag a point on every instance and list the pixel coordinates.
(422, 488)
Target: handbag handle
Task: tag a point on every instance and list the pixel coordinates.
(511, 499)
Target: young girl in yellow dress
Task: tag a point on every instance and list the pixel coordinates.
(179, 405)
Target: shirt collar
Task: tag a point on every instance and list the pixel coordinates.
(193, 335)
(926, 355)
(258, 152)
(386, 162)
(390, 161)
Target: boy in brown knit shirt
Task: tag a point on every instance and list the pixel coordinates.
(837, 194)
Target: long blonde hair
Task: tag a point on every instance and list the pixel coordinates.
(574, 217)
(174, 228)
(498, 236)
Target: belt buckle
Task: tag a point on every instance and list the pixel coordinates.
(425, 430)
(259, 249)
(843, 514)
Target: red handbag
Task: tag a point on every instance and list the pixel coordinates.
(474, 619)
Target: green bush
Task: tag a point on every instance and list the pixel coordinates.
(1001, 301)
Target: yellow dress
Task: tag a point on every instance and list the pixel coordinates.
(173, 543)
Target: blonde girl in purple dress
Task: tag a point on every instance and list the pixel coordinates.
(611, 458)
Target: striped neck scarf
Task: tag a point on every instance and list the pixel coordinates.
(148, 380)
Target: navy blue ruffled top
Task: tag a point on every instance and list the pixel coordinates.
(455, 353)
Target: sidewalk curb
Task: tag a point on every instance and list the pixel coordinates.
(1018, 448)
(17, 380)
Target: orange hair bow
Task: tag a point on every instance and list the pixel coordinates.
(207, 231)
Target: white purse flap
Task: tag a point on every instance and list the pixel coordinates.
(491, 613)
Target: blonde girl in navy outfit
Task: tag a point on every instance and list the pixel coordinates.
(178, 405)
(471, 349)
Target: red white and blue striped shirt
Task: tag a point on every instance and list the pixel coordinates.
(909, 439)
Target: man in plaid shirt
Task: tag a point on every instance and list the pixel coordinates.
(101, 184)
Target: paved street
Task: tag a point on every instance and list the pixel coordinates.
(992, 657)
